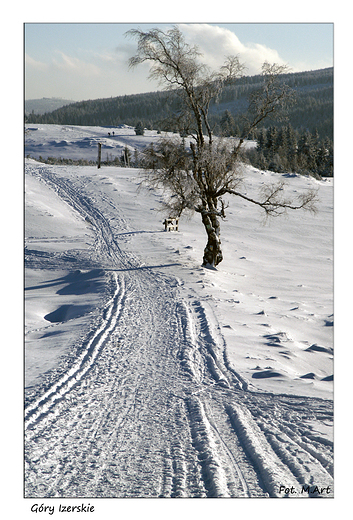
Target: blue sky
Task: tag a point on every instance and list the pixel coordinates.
(89, 61)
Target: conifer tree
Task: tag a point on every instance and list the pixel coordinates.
(139, 129)
(227, 124)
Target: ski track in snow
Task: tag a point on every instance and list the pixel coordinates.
(151, 407)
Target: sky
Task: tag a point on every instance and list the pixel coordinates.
(79, 61)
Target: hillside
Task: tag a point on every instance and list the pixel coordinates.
(313, 109)
(44, 105)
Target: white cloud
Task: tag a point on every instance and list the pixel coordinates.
(75, 66)
(93, 75)
(31, 63)
(63, 76)
(217, 42)
(104, 72)
(106, 57)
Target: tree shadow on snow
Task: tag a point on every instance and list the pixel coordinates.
(78, 282)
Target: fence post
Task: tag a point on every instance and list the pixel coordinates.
(99, 154)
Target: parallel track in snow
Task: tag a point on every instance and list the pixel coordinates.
(83, 363)
(152, 408)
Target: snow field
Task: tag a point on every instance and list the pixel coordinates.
(157, 377)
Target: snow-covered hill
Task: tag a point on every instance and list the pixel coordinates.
(41, 106)
(165, 378)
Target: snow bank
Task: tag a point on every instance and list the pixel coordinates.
(270, 300)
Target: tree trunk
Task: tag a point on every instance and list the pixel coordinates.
(212, 253)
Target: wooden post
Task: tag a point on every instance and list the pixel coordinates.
(171, 224)
(99, 154)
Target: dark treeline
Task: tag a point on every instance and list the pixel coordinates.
(313, 110)
(287, 150)
(150, 108)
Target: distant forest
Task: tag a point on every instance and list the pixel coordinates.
(309, 121)
(313, 109)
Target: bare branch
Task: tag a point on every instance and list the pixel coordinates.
(274, 203)
(232, 69)
(271, 100)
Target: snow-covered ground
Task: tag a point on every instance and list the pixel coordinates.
(148, 375)
(81, 142)
(78, 142)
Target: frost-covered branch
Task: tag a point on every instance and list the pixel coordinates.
(274, 203)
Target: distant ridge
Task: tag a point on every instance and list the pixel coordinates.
(44, 105)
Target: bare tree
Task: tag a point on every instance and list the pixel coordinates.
(198, 177)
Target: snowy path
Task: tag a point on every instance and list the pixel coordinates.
(151, 406)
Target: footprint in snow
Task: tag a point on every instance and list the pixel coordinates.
(274, 340)
(264, 374)
(328, 378)
(285, 353)
(309, 375)
(318, 348)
